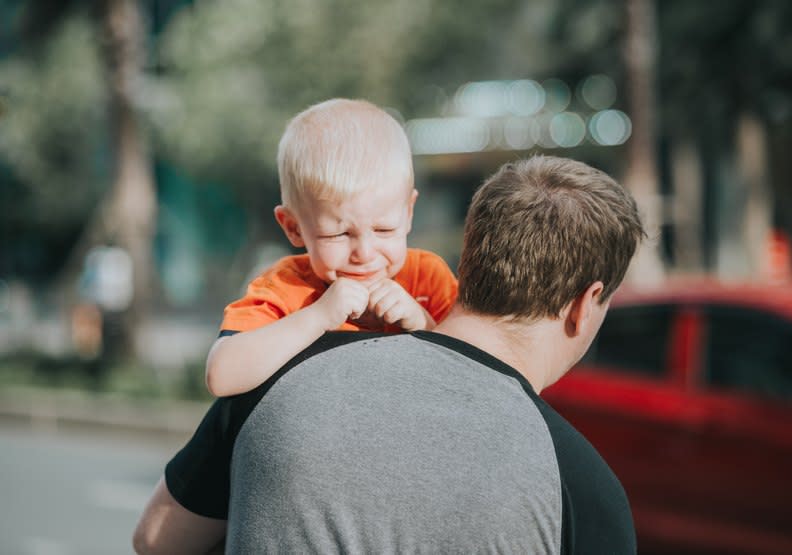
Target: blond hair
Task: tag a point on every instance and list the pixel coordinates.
(539, 232)
(339, 147)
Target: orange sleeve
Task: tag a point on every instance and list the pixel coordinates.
(277, 292)
(260, 306)
(434, 286)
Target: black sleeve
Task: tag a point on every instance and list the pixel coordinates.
(198, 476)
(596, 513)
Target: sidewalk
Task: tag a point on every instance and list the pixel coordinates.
(52, 409)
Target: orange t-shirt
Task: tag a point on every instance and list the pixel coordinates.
(290, 285)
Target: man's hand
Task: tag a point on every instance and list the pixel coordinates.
(344, 299)
(391, 303)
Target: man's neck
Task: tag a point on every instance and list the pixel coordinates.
(527, 347)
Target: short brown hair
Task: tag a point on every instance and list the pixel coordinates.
(539, 232)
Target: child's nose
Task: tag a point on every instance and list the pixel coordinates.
(363, 250)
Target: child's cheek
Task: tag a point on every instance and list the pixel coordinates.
(334, 256)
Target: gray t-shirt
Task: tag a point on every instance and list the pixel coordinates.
(410, 443)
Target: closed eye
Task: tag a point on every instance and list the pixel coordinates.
(334, 235)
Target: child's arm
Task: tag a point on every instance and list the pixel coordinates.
(243, 361)
(390, 302)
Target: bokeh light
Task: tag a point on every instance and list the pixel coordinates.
(610, 127)
(520, 114)
(598, 91)
(481, 99)
(520, 133)
(558, 95)
(545, 139)
(525, 97)
(567, 129)
(447, 135)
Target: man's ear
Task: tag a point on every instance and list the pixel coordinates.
(577, 314)
(291, 227)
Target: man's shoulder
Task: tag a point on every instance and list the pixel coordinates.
(241, 405)
(596, 509)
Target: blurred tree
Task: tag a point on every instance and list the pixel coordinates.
(617, 38)
(642, 174)
(52, 145)
(129, 213)
(717, 65)
(233, 72)
(104, 90)
(725, 77)
(223, 78)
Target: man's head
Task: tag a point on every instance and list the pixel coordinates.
(346, 179)
(539, 233)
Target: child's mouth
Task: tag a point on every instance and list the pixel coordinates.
(358, 276)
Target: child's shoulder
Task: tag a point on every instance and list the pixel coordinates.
(291, 267)
(422, 258)
(424, 265)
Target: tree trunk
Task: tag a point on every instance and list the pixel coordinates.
(688, 210)
(758, 225)
(130, 211)
(641, 174)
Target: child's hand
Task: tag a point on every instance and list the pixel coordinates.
(345, 298)
(391, 303)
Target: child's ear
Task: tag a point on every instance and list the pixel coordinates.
(410, 205)
(291, 227)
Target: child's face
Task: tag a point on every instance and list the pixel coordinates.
(363, 237)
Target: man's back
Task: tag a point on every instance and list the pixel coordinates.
(408, 443)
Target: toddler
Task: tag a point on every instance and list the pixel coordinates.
(347, 193)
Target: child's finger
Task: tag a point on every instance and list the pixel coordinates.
(377, 295)
(395, 314)
(386, 304)
(377, 284)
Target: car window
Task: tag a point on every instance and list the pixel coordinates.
(633, 339)
(749, 350)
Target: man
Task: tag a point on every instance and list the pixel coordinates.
(430, 441)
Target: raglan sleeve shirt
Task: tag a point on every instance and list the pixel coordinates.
(562, 497)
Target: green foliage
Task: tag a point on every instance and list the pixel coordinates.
(52, 135)
(234, 72)
(717, 60)
(224, 77)
(35, 370)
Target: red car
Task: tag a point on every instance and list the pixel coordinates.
(687, 393)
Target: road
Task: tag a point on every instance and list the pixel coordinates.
(75, 492)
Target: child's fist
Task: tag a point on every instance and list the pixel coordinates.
(345, 298)
(391, 303)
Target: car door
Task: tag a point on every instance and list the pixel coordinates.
(740, 431)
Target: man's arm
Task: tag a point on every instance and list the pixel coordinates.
(241, 362)
(168, 528)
